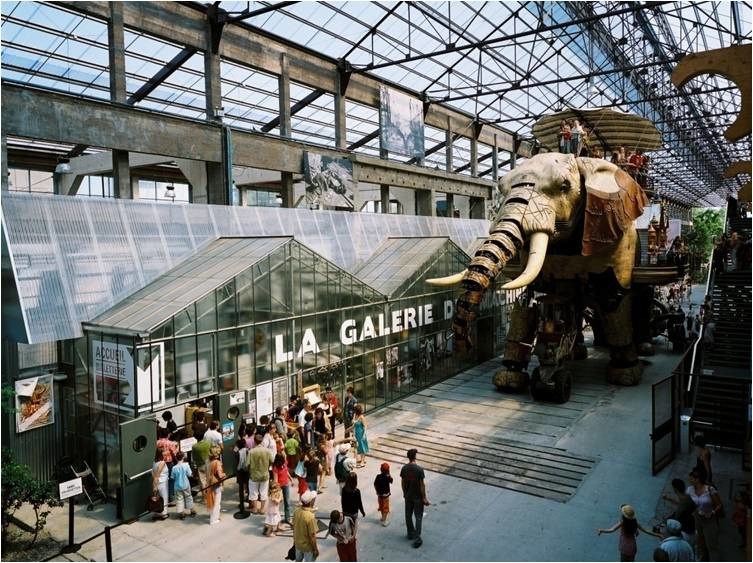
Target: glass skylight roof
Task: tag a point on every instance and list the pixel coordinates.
(507, 63)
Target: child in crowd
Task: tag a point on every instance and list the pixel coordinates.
(382, 487)
(300, 473)
(183, 496)
(272, 521)
(292, 449)
(330, 453)
(313, 469)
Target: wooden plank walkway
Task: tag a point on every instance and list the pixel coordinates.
(465, 428)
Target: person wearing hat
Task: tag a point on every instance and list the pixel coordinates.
(628, 526)
(676, 548)
(341, 471)
(414, 493)
(382, 484)
(305, 529)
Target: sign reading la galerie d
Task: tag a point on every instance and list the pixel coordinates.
(352, 331)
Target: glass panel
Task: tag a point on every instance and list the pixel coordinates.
(165, 330)
(262, 305)
(284, 349)
(206, 314)
(280, 284)
(185, 364)
(206, 363)
(185, 321)
(227, 359)
(262, 354)
(169, 351)
(244, 287)
(226, 316)
(245, 358)
(308, 300)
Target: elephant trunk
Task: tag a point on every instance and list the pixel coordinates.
(525, 214)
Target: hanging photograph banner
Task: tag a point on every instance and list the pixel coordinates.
(401, 123)
(280, 392)
(113, 375)
(329, 181)
(35, 404)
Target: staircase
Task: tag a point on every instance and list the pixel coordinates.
(722, 397)
(731, 296)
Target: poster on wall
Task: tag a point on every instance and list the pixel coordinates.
(426, 353)
(401, 123)
(380, 370)
(264, 400)
(113, 376)
(392, 355)
(329, 181)
(35, 405)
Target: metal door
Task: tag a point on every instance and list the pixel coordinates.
(138, 442)
(228, 413)
(665, 422)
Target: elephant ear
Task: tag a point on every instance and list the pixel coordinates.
(613, 201)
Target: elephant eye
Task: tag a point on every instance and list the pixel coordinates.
(565, 187)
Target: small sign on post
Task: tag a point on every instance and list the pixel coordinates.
(71, 488)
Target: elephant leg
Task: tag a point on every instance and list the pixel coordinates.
(624, 366)
(643, 297)
(520, 337)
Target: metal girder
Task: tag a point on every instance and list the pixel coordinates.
(364, 140)
(295, 108)
(161, 75)
(512, 37)
(371, 30)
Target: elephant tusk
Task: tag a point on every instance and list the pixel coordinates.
(447, 280)
(536, 256)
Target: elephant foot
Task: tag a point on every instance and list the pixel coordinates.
(579, 352)
(625, 375)
(506, 380)
(646, 349)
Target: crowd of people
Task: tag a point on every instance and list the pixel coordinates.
(295, 448)
(731, 253)
(575, 138)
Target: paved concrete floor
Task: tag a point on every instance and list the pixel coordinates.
(475, 515)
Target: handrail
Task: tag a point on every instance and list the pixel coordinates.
(710, 279)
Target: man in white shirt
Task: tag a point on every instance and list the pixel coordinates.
(213, 434)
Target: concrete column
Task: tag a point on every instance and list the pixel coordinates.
(215, 186)
(495, 160)
(121, 175)
(425, 203)
(244, 196)
(116, 39)
(478, 208)
(4, 161)
(448, 147)
(284, 97)
(212, 80)
(341, 141)
(474, 157)
(514, 153)
(384, 189)
(195, 172)
(450, 205)
(286, 189)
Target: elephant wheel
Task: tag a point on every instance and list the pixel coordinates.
(563, 386)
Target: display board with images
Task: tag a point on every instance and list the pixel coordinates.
(401, 123)
(329, 181)
(35, 403)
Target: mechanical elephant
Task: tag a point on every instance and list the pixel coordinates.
(571, 221)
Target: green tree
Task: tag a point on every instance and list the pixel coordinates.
(707, 224)
(20, 487)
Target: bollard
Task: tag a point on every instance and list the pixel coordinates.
(242, 512)
(71, 547)
(108, 544)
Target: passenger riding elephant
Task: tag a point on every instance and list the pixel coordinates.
(571, 221)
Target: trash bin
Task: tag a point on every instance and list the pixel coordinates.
(685, 430)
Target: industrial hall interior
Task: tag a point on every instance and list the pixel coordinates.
(376, 280)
